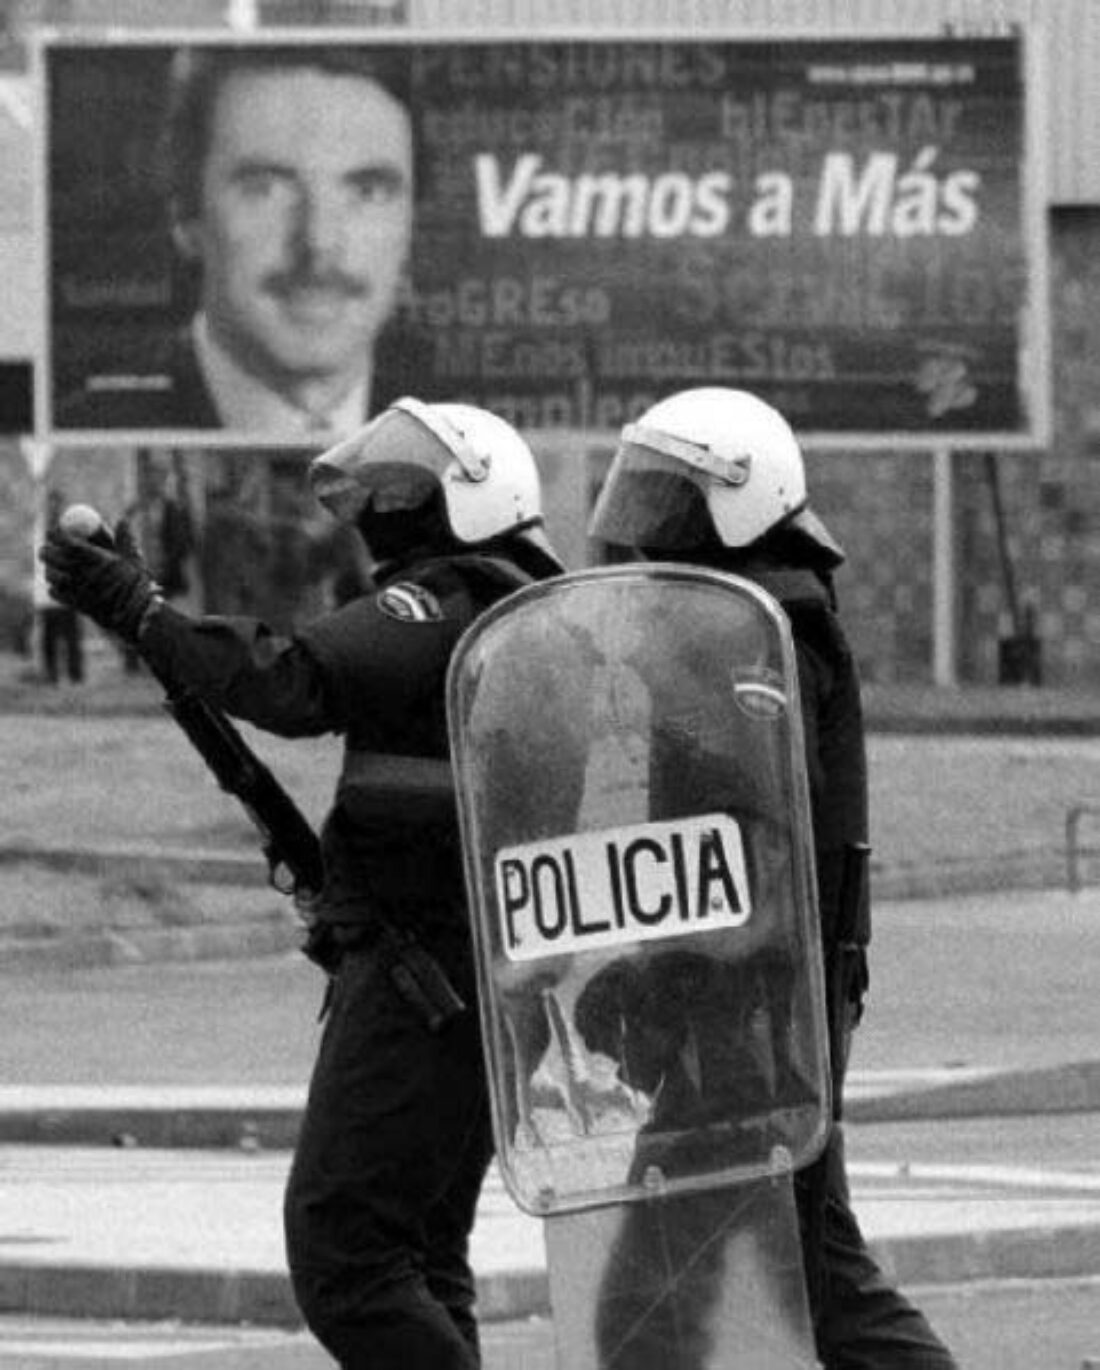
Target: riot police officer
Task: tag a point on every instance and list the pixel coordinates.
(715, 477)
(396, 1136)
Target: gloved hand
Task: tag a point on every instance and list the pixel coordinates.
(113, 587)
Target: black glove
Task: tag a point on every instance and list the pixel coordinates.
(113, 587)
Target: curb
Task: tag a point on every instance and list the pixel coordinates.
(98, 1292)
(1073, 1088)
(138, 946)
(1022, 1253)
(183, 1129)
(887, 724)
(279, 931)
(999, 872)
(189, 864)
(264, 1298)
(273, 1125)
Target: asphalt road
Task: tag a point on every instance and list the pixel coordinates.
(1003, 981)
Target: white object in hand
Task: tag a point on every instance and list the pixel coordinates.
(81, 521)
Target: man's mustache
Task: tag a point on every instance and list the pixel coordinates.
(283, 284)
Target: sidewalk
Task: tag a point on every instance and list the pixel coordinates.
(197, 1236)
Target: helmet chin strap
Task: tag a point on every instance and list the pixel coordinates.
(400, 533)
(707, 549)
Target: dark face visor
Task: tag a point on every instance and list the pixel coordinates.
(398, 462)
(652, 500)
(394, 487)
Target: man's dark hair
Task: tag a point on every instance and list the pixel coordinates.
(198, 74)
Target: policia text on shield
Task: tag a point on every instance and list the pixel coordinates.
(622, 886)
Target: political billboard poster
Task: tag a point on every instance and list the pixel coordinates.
(560, 229)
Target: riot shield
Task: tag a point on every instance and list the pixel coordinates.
(632, 793)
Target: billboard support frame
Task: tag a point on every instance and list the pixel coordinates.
(944, 574)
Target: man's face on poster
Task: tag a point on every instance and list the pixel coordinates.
(304, 221)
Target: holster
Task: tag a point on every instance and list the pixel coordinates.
(321, 946)
(413, 971)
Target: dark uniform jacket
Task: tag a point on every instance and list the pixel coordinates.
(375, 671)
(832, 715)
(173, 395)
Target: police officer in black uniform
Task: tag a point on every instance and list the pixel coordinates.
(715, 477)
(396, 1137)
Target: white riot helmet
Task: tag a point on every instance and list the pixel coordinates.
(705, 459)
(485, 470)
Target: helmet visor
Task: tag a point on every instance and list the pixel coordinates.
(653, 500)
(396, 463)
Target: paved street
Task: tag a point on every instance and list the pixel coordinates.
(1000, 981)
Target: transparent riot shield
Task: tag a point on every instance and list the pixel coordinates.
(633, 799)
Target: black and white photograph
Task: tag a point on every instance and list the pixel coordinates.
(550, 684)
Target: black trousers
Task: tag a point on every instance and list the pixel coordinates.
(385, 1182)
(861, 1321)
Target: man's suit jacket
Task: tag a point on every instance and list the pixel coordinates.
(173, 395)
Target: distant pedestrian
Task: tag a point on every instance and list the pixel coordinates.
(160, 518)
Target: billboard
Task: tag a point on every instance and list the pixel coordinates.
(562, 230)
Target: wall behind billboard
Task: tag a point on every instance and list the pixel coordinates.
(847, 228)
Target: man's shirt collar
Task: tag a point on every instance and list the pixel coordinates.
(246, 405)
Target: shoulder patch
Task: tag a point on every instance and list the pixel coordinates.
(410, 603)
